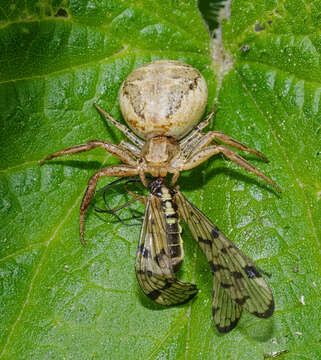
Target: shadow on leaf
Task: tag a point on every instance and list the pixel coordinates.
(85, 164)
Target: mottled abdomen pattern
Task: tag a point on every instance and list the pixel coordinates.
(164, 97)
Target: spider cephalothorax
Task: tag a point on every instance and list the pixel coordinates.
(161, 102)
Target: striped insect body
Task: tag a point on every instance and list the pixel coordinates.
(173, 229)
(160, 249)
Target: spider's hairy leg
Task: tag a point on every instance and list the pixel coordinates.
(142, 177)
(122, 154)
(210, 151)
(213, 135)
(175, 177)
(117, 170)
(121, 127)
(134, 150)
(192, 138)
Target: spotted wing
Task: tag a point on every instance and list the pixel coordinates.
(236, 277)
(154, 269)
(226, 312)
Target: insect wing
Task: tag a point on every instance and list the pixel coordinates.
(226, 312)
(153, 265)
(233, 271)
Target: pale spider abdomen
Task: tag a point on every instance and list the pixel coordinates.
(163, 97)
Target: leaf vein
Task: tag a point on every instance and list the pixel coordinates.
(283, 152)
(32, 282)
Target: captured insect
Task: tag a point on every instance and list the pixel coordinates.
(237, 281)
(162, 102)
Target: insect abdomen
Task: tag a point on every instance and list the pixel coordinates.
(172, 226)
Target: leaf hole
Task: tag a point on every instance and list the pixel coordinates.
(258, 27)
(62, 13)
(210, 10)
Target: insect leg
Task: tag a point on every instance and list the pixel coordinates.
(105, 190)
(136, 197)
(122, 154)
(208, 152)
(113, 211)
(117, 170)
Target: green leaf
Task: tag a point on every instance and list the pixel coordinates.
(61, 300)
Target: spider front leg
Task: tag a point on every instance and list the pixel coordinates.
(121, 153)
(213, 135)
(116, 171)
(210, 151)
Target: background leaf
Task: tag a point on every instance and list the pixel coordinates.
(60, 300)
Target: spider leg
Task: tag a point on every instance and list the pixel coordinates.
(208, 152)
(142, 177)
(175, 177)
(131, 136)
(185, 142)
(134, 150)
(213, 135)
(122, 154)
(117, 170)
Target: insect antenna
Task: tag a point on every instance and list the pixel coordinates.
(105, 190)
